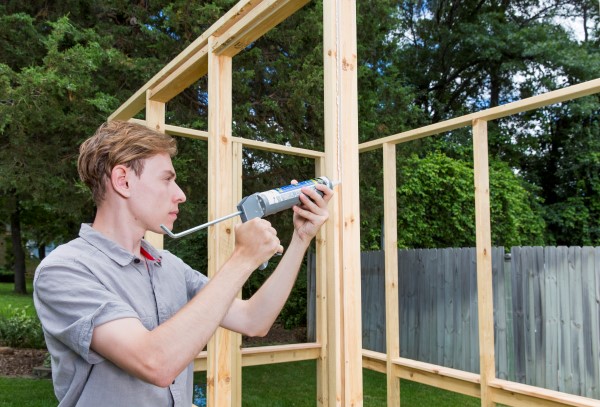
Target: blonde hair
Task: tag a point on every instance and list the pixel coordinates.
(119, 143)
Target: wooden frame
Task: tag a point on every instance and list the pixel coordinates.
(485, 385)
(337, 349)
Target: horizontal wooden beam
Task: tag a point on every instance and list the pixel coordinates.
(523, 395)
(265, 355)
(442, 377)
(504, 391)
(194, 68)
(374, 361)
(229, 40)
(253, 144)
(137, 102)
(247, 21)
(546, 99)
(265, 16)
(446, 378)
(279, 149)
(179, 131)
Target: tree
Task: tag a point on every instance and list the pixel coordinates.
(437, 208)
(47, 110)
(463, 57)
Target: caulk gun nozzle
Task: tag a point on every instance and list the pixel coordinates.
(334, 183)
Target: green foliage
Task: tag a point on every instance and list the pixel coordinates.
(20, 329)
(293, 313)
(436, 205)
(435, 197)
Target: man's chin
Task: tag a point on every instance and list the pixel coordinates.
(159, 230)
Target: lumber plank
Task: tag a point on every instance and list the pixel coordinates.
(222, 346)
(485, 293)
(534, 102)
(136, 102)
(392, 317)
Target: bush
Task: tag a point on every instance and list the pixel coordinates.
(7, 276)
(18, 329)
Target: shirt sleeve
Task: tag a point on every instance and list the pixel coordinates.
(71, 302)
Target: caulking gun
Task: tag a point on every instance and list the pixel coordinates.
(261, 204)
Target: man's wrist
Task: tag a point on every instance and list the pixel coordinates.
(296, 237)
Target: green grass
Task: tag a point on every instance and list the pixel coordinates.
(279, 385)
(26, 393)
(9, 297)
(294, 385)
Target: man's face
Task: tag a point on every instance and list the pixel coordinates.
(155, 196)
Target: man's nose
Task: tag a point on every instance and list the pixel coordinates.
(179, 195)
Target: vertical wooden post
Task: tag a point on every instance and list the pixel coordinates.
(236, 343)
(485, 294)
(392, 317)
(321, 305)
(220, 236)
(155, 119)
(343, 237)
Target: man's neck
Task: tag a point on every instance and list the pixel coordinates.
(111, 224)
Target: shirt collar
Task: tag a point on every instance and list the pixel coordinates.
(112, 249)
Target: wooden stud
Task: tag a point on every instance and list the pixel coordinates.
(343, 237)
(155, 120)
(485, 293)
(321, 305)
(392, 317)
(221, 348)
(236, 355)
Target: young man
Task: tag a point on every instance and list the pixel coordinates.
(123, 321)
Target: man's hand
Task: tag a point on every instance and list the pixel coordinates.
(256, 241)
(312, 213)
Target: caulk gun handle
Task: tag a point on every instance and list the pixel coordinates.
(266, 263)
(249, 208)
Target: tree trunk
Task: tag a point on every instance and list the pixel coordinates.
(41, 251)
(15, 230)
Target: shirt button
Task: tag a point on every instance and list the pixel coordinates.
(136, 260)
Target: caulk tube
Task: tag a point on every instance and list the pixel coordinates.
(279, 199)
(261, 204)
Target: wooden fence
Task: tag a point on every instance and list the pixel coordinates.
(546, 312)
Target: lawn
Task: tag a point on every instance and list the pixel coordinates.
(9, 297)
(294, 385)
(18, 392)
(279, 385)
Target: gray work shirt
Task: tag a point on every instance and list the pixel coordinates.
(90, 281)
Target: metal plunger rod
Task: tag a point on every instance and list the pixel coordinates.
(199, 227)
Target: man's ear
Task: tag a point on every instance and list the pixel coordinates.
(119, 180)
